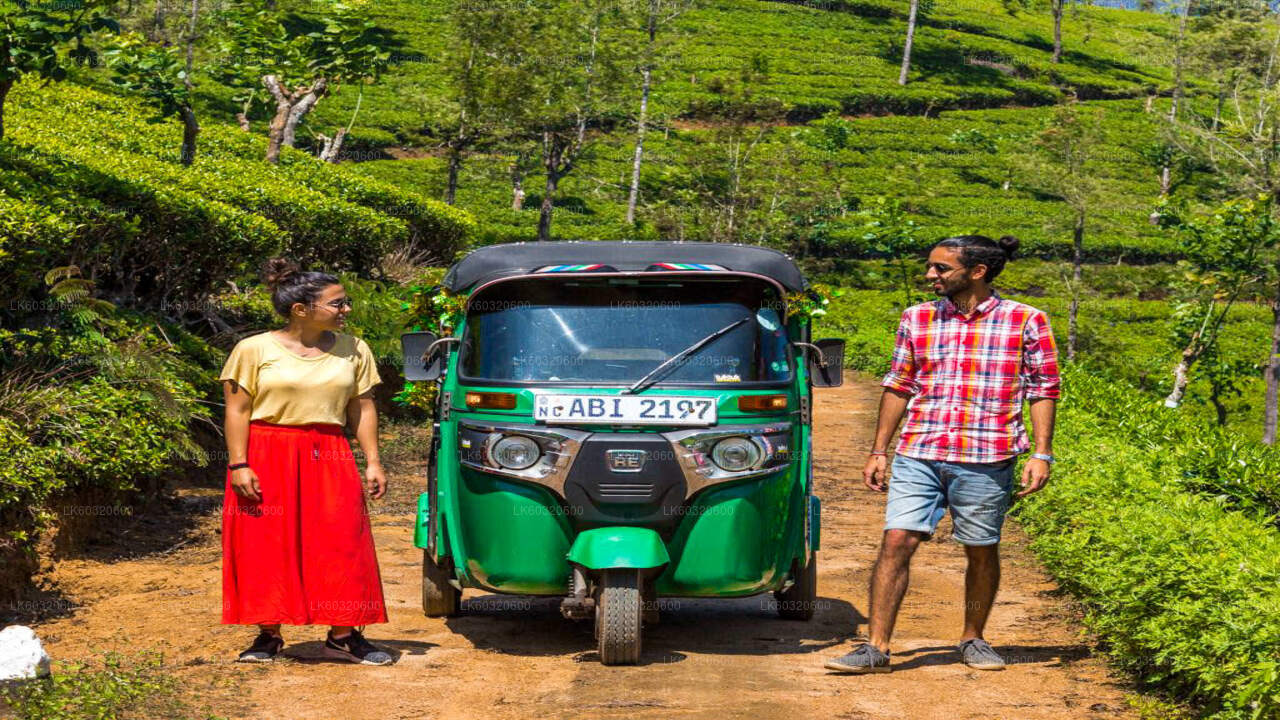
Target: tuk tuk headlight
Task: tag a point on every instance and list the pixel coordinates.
(736, 454)
(516, 452)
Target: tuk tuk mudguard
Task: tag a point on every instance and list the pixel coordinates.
(420, 530)
(619, 547)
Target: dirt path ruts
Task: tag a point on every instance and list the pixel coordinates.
(510, 657)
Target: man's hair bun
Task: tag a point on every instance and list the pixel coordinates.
(1009, 244)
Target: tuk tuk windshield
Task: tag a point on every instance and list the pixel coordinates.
(616, 330)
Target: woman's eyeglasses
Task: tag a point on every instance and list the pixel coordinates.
(337, 304)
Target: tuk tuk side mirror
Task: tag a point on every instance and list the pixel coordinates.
(421, 363)
(826, 362)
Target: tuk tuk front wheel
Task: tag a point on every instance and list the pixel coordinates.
(439, 597)
(619, 617)
(798, 601)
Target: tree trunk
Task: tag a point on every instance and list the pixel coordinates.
(5, 86)
(634, 195)
(291, 108)
(191, 35)
(906, 49)
(544, 216)
(455, 164)
(190, 129)
(1077, 256)
(1177, 60)
(1273, 374)
(1181, 377)
(1056, 6)
(517, 183)
(1166, 180)
(301, 107)
(275, 129)
(330, 148)
(1215, 397)
(159, 21)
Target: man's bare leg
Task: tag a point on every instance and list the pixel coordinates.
(981, 581)
(889, 580)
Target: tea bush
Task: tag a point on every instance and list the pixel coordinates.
(1184, 590)
(153, 231)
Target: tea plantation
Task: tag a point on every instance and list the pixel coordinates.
(127, 275)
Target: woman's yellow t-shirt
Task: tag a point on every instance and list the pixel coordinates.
(288, 389)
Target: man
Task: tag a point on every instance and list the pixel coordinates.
(962, 366)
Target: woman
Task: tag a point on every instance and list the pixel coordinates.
(297, 547)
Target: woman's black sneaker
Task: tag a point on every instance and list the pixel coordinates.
(264, 648)
(356, 649)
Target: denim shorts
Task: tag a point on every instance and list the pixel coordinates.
(978, 494)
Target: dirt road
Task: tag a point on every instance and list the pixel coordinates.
(509, 657)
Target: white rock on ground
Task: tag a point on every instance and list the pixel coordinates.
(21, 654)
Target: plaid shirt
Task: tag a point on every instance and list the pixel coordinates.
(968, 375)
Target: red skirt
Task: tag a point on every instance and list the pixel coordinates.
(304, 554)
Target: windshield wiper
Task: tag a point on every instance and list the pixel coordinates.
(655, 373)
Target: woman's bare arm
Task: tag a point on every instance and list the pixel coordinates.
(362, 415)
(236, 431)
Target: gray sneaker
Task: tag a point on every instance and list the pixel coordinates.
(866, 658)
(978, 655)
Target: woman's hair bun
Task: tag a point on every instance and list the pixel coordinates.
(1009, 244)
(279, 270)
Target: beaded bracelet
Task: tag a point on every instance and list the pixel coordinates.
(237, 466)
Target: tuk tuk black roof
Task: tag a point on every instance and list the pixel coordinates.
(498, 261)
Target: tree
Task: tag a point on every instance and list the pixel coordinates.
(41, 39)
(158, 75)
(559, 70)
(1061, 164)
(826, 138)
(917, 8)
(1000, 146)
(1242, 147)
(1222, 253)
(1058, 8)
(657, 14)
(297, 70)
(717, 182)
(890, 232)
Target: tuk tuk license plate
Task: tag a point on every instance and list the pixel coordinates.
(625, 409)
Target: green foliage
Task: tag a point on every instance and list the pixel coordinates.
(42, 38)
(109, 687)
(152, 71)
(889, 232)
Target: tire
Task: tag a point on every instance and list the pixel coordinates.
(439, 598)
(799, 600)
(619, 617)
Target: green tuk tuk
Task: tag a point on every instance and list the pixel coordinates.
(621, 421)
